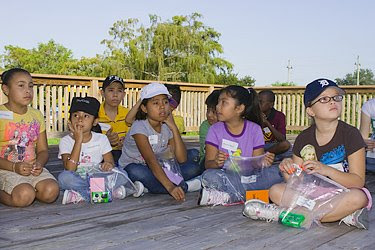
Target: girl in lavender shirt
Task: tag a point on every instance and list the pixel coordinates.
(237, 133)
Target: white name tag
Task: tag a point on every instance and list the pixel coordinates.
(307, 203)
(229, 145)
(248, 179)
(153, 139)
(337, 166)
(266, 130)
(8, 115)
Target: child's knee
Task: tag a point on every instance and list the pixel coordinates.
(48, 191)
(23, 195)
(358, 199)
(276, 192)
(66, 177)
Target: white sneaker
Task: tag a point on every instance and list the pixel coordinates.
(71, 196)
(358, 219)
(119, 193)
(194, 185)
(259, 210)
(213, 197)
(139, 189)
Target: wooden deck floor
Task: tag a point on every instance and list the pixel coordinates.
(159, 222)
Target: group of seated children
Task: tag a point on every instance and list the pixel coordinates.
(240, 123)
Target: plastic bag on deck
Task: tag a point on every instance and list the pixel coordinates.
(233, 177)
(170, 166)
(307, 198)
(102, 183)
(250, 170)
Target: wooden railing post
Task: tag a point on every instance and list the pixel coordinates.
(94, 88)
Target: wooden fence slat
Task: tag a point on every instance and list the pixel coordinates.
(66, 104)
(54, 113)
(60, 111)
(298, 110)
(48, 108)
(35, 97)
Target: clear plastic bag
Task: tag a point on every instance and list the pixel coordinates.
(170, 166)
(249, 169)
(233, 179)
(307, 198)
(102, 184)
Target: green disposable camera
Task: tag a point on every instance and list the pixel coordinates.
(101, 197)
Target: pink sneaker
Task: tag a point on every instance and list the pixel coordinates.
(71, 196)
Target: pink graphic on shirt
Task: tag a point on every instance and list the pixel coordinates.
(21, 138)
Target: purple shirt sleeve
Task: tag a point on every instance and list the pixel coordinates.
(212, 137)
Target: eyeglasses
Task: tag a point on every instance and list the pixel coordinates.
(327, 99)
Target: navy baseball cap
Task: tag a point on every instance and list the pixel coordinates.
(86, 104)
(315, 88)
(111, 79)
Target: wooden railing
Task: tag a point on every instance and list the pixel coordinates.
(53, 94)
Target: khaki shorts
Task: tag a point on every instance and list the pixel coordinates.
(9, 180)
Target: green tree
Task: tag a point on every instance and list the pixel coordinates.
(366, 77)
(181, 49)
(276, 84)
(47, 58)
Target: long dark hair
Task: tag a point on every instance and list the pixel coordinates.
(140, 114)
(247, 97)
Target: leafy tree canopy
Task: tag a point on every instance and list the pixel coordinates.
(366, 77)
(180, 49)
(276, 84)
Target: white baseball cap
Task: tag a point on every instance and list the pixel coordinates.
(154, 89)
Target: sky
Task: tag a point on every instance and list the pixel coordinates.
(321, 38)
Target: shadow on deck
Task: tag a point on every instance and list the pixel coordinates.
(159, 222)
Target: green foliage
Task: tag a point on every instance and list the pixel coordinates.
(48, 58)
(181, 49)
(277, 84)
(366, 77)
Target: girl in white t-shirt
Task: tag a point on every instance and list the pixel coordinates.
(83, 149)
(368, 127)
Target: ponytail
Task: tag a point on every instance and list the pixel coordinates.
(247, 97)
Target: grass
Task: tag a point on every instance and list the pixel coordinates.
(195, 133)
(53, 141)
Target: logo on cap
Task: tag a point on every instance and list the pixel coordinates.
(323, 83)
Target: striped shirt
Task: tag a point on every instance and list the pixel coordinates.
(118, 125)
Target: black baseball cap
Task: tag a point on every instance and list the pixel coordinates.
(111, 79)
(315, 88)
(86, 104)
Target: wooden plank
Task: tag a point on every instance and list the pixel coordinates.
(60, 109)
(41, 99)
(35, 97)
(348, 106)
(298, 114)
(48, 108)
(66, 105)
(54, 112)
(293, 111)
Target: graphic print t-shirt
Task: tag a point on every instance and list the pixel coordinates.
(19, 134)
(91, 152)
(346, 141)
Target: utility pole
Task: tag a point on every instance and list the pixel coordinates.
(289, 67)
(358, 67)
(357, 95)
